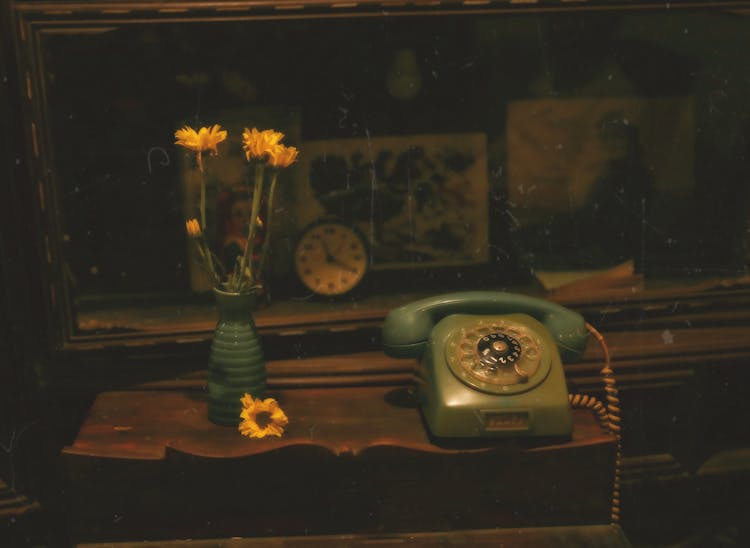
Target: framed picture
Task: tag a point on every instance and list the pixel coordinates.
(418, 199)
(586, 177)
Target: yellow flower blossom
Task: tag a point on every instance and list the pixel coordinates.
(193, 228)
(282, 156)
(259, 144)
(201, 140)
(261, 418)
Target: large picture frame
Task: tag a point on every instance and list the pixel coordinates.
(417, 198)
(591, 179)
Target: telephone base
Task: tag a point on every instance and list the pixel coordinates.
(457, 402)
(552, 422)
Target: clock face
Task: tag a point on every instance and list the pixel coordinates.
(331, 258)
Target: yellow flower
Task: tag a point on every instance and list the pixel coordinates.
(282, 156)
(259, 144)
(201, 140)
(193, 228)
(261, 418)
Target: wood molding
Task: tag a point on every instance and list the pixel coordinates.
(13, 504)
(354, 460)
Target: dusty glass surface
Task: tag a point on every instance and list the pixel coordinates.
(470, 151)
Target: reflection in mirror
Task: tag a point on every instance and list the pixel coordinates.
(491, 151)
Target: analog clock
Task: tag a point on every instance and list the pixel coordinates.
(331, 258)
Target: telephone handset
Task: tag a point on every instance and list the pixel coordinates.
(490, 362)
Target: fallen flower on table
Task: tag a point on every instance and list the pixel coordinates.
(261, 418)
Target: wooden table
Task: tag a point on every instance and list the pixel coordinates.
(148, 465)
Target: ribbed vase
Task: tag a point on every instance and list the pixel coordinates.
(235, 365)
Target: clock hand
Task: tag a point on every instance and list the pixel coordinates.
(340, 247)
(331, 257)
(326, 249)
(343, 265)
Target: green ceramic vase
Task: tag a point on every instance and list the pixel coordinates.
(235, 365)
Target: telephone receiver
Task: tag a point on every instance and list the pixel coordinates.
(406, 329)
(490, 363)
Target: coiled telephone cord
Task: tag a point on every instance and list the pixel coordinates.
(608, 415)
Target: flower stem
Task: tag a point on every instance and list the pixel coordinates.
(203, 189)
(267, 239)
(247, 256)
(206, 252)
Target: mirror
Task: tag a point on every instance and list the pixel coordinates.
(516, 149)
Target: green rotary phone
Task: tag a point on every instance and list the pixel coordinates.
(490, 362)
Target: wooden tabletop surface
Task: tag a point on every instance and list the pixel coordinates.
(147, 424)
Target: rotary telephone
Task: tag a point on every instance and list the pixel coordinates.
(490, 362)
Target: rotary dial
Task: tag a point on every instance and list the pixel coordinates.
(496, 354)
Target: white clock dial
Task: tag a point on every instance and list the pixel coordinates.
(331, 258)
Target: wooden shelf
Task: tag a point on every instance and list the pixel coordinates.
(353, 461)
(611, 303)
(601, 536)
(149, 424)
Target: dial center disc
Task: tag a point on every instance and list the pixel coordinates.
(498, 349)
